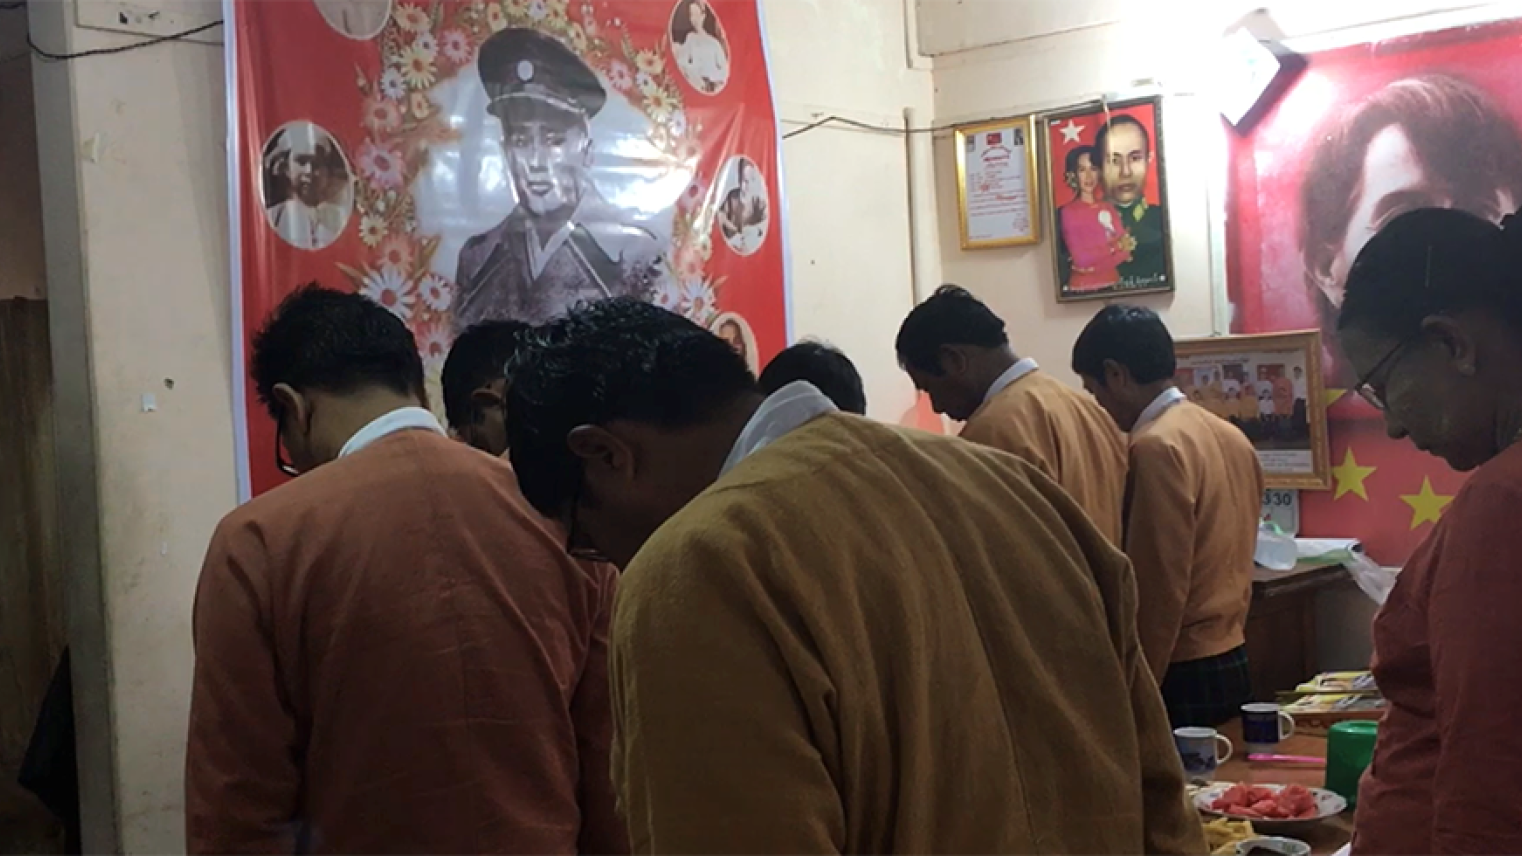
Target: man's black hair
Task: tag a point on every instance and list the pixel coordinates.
(1435, 261)
(950, 316)
(1103, 136)
(1132, 336)
(336, 342)
(618, 359)
(477, 357)
(829, 370)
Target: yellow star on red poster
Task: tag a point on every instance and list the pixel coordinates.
(1350, 477)
(1427, 506)
(1332, 396)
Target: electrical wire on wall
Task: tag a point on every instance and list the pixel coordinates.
(17, 5)
(863, 126)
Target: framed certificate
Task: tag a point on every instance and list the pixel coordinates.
(996, 184)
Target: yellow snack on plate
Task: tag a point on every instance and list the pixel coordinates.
(1223, 834)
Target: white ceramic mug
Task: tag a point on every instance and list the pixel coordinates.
(1202, 750)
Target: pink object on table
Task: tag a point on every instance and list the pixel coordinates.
(1288, 759)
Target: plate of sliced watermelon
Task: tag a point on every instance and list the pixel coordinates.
(1271, 808)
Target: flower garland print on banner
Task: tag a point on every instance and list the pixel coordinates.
(406, 149)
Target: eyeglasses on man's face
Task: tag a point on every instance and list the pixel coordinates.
(282, 463)
(575, 540)
(1373, 391)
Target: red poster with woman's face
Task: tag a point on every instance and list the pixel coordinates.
(461, 161)
(1364, 134)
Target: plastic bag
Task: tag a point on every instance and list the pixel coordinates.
(1276, 550)
(1375, 581)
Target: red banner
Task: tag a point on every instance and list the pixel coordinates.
(1364, 134)
(466, 160)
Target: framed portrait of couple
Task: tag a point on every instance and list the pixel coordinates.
(1108, 200)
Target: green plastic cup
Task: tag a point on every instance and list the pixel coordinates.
(1349, 749)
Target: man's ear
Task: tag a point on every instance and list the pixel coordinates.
(1116, 376)
(601, 451)
(295, 410)
(1457, 344)
(953, 360)
(486, 398)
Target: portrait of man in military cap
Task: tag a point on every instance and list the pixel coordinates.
(563, 243)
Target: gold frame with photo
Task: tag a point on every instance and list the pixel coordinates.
(1027, 126)
(1046, 122)
(1307, 344)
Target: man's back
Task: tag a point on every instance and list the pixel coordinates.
(869, 640)
(1065, 434)
(1191, 529)
(394, 655)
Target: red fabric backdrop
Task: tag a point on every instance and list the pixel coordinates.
(1387, 493)
(423, 164)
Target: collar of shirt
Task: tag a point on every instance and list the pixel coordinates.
(539, 256)
(1013, 373)
(1166, 399)
(400, 419)
(783, 411)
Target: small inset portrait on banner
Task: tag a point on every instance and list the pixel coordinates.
(736, 331)
(744, 215)
(563, 243)
(308, 194)
(355, 19)
(699, 45)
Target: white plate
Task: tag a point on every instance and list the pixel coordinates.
(1328, 805)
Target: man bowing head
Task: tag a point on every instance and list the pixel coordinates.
(835, 635)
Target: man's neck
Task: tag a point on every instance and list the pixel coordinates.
(993, 365)
(1146, 394)
(348, 415)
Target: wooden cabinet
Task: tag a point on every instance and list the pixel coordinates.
(1281, 627)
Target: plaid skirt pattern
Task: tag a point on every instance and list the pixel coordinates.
(1207, 692)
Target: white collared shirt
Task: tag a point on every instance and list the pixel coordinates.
(400, 419)
(539, 255)
(1019, 370)
(783, 411)
(1165, 399)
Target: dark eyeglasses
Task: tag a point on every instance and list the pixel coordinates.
(282, 463)
(1365, 385)
(574, 535)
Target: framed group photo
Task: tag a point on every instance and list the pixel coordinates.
(1106, 190)
(1270, 387)
(997, 201)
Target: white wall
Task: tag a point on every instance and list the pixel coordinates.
(1041, 55)
(848, 189)
(953, 26)
(136, 213)
(135, 206)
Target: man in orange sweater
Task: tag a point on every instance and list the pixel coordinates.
(955, 349)
(834, 635)
(1193, 500)
(393, 653)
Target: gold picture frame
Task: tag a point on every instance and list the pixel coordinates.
(1117, 242)
(1002, 208)
(1271, 387)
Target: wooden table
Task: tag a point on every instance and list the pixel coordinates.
(1325, 837)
